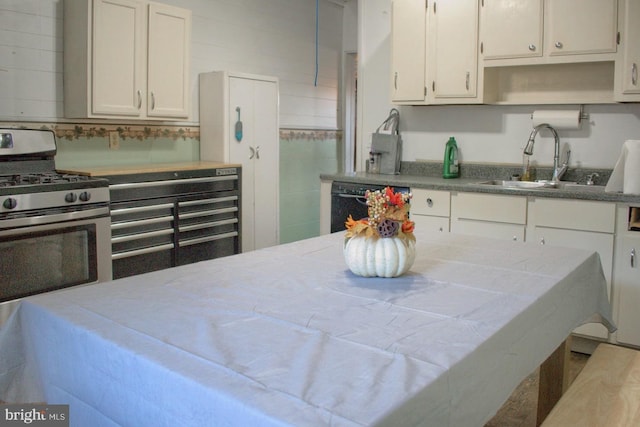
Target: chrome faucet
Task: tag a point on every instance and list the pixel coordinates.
(558, 171)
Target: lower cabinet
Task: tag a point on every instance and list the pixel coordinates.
(430, 209)
(627, 279)
(489, 215)
(576, 224)
(163, 220)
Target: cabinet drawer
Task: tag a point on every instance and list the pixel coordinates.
(431, 223)
(430, 202)
(494, 230)
(485, 207)
(573, 214)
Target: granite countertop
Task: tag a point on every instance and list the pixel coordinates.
(145, 168)
(420, 175)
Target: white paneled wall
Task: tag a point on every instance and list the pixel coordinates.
(272, 37)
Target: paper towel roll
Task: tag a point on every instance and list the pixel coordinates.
(625, 177)
(558, 119)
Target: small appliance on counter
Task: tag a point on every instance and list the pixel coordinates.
(386, 146)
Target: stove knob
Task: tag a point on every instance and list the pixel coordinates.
(85, 196)
(10, 203)
(70, 197)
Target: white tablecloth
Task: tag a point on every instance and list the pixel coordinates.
(288, 336)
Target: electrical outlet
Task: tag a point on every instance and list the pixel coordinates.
(114, 140)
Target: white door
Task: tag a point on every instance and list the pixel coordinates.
(168, 66)
(579, 27)
(266, 164)
(455, 52)
(511, 29)
(627, 285)
(118, 62)
(408, 50)
(600, 242)
(631, 47)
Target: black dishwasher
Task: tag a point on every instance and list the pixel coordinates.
(164, 219)
(348, 198)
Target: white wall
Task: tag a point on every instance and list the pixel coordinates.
(484, 133)
(271, 37)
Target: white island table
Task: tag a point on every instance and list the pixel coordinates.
(287, 336)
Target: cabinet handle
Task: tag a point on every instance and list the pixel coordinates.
(139, 99)
(467, 80)
(634, 74)
(515, 238)
(559, 45)
(429, 202)
(253, 153)
(633, 258)
(153, 101)
(441, 229)
(542, 242)
(395, 80)
(532, 47)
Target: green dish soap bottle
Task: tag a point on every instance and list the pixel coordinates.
(450, 169)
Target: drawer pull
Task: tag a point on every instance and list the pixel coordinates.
(208, 201)
(150, 250)
(207, 239)
(429, 202)
(542, 242)
(139, 236)
(148, 221)
(207, 225)
(116, 212)
(207, 213)
(147, 184)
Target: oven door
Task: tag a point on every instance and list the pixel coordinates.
(46, 257)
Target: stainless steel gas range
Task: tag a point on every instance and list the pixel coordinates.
(54, 228)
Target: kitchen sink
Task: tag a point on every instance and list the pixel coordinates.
(542, 184)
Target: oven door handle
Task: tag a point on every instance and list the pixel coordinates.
(359, 199)
(55, 218)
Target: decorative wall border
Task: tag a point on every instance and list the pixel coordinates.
(310, 134)
(74, 131)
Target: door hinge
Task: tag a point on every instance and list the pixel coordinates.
(434, 7)
(618, 38)
(482, 5)
(481, 47)
(425, 91)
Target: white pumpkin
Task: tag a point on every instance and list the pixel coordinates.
(382, 257)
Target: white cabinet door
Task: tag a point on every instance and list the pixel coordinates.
(118, 61)
(168, 61)
(453, 38)
(599, 242)
(581, 26)
(628, 67)
(627, 286)
(408, 50)
(511, 29)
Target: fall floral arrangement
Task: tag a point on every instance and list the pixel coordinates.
(388, 216)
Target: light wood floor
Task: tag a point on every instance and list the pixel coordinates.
(520, 409)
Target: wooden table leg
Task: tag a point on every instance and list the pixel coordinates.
(554, 379)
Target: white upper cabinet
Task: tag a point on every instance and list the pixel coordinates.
(627, 67)
(517, 29)
(511, 29)
(581, 26)
(168, 61)
(126, 59)
(434, 51)
(408, 50)
(453, 51)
